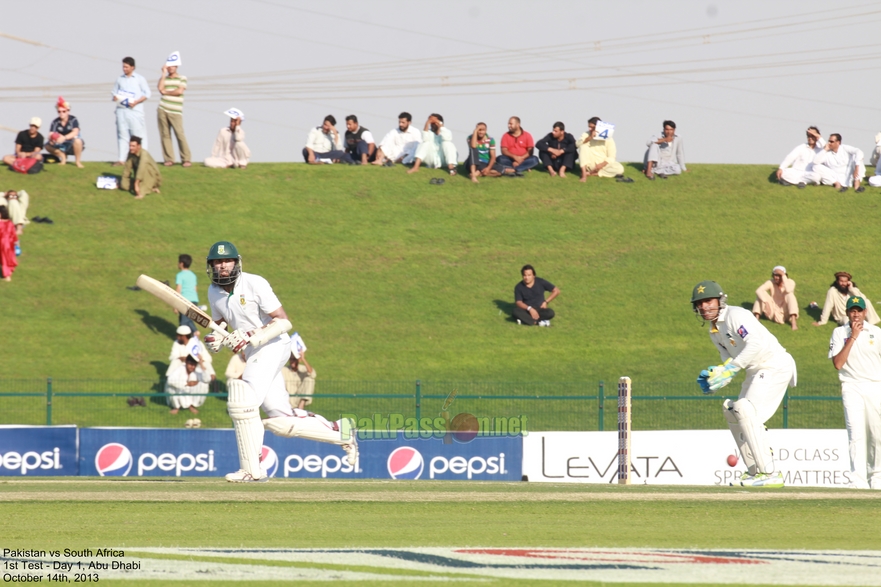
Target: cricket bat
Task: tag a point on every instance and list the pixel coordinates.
(178, 302)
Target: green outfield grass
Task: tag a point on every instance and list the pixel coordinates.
(390, 278)
(47, 514)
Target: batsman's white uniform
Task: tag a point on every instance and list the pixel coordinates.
(798, 166)
(437, 150)
(769, 370)
(248, 307)
(861, 394)
(831, 167)
(396, 144)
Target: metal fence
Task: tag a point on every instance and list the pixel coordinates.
(535, 406)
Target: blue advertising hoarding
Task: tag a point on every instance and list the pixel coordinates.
(27, 451)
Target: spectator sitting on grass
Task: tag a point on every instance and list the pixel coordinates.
(776, 299)
(399, 144)
(8, 240)
(186, 344)
(65, 136)
(436, 149)
(229, 148)
(140, 175)
(324, 144)
(189, 378)
(529, 298)
(481, 161)
(16, 203)
(598, 157)
(360, 144)
(517, 149)
(797, 168)
(186, 282)
(557, 151)
(666, 153)
(28, 143)
(835, 305)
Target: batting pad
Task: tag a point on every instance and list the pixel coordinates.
(308, 427)
(753, 432)
(737, 432)
(245, 414)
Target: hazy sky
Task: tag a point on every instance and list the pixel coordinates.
(742, 80)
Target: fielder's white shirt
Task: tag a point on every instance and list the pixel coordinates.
(298, 347)
(248, 306)
(864, 361)
(741, 337)
(802, 157)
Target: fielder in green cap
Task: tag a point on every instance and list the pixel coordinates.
(744, 344)
(855, 350)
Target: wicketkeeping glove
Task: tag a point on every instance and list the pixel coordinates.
(721, 375)
(237, 340)
(214, 340)
(702, 381)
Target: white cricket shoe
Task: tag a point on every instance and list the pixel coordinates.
(351, 447)
(763, 480)
(545, 323)
(242, 476)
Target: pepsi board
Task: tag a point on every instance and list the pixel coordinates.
(28, 451)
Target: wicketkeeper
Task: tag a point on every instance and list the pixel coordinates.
(744, 344)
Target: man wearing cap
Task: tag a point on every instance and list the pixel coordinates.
(130, 92)
(140, 176)
(836, 301)
(186, 344)
(776, 299)
(744, 344)
(855, 350)
(28, 143)
(171, 111)
(229, 148)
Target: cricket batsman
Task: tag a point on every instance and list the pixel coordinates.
(744, 344)
(260, 326)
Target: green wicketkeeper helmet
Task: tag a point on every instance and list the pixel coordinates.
(706, 290)
(223, 250)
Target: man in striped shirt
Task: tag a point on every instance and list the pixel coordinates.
(170, 112)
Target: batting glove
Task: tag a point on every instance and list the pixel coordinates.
(704, 384)
(721, 375)
(237, 340)
(214, 340)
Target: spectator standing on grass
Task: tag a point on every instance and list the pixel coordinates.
(481, 161)
(324, 144)
(836, 301)
(229, 148)
(666, 153)
(8, 241)
(130, 92)
(797, 168)
(436, 149)
(140, 175)
(598, 157)
(299, 376)
(517, 148)
(776, 299)
(855, 350)
(360, 144)
(16, 203)
(65, 136)
(187, 386)
(186, 284)
(28, 144)
(839, 165)
(171, 111)
(557, 151)
(399, 144)
(531, 307)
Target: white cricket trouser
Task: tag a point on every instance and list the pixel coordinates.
(765, 388)
(263, 375)
(129, 123)
(862, 415)
(435, 158)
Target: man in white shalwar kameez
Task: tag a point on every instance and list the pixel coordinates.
(798, 166)
(229, 148)
(400, 144)
(186, 344)
(189, 378)
(875, 161)
(839, 165)
(437, 149)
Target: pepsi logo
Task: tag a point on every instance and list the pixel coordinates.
(269, 461)
(113, 460)
(405, 463)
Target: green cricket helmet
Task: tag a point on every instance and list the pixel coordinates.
(706, 290)
(223, 250)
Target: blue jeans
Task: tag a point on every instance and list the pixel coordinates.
(508, 163)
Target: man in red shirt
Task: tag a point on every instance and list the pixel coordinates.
(517, 147)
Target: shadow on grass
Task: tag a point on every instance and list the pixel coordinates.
(159, 386)
(814, 312)
(506, 308)
(772, 177)
(157, 324)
